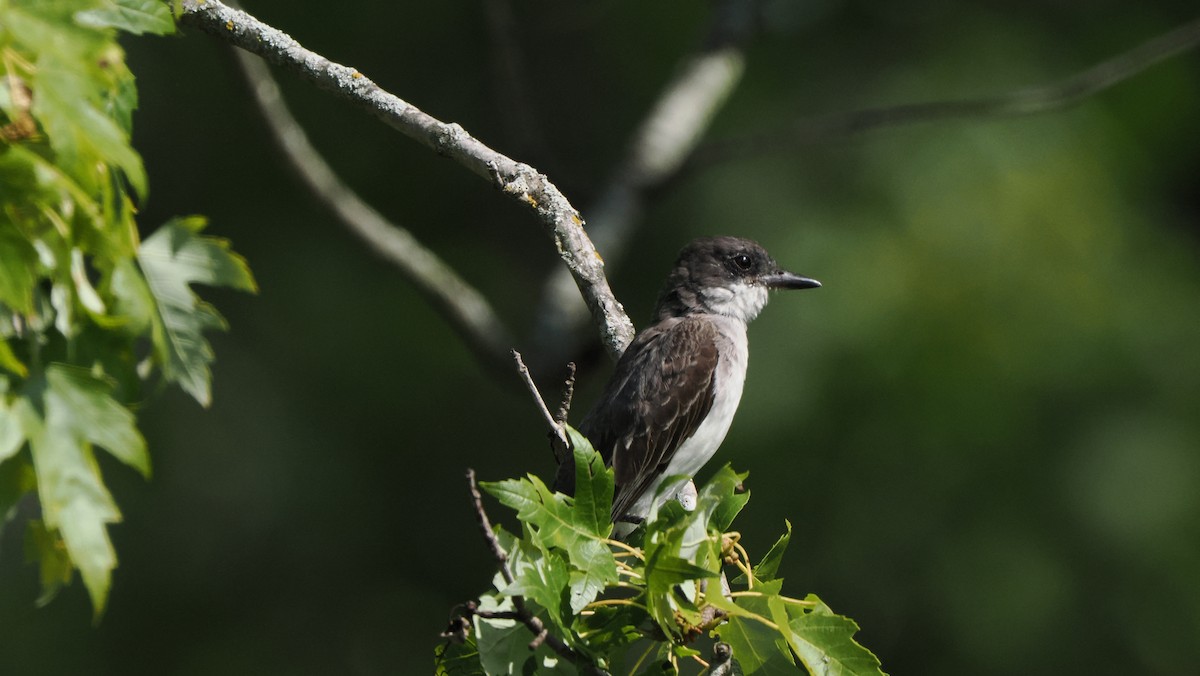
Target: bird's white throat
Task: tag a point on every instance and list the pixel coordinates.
(739, 300)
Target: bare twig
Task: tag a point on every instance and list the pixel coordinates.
(665, 138)
(518, 180)
(556, 426)
(568, 393)
(1029, 101)
(485, 527)
(467, 311)
(532, 622)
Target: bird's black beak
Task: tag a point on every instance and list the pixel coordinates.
(786, 280)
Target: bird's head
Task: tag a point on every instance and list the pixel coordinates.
(727, 276)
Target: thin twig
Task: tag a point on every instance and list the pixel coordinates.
(467, 311)
(556, 428)
(564, 403)
(485, 527)
(1028, 101)
(498, 614)
(520, 181)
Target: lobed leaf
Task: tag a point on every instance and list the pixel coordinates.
(46, 547)
(81, 403)
(824, 642)
(172, 259)
(594, 486)
(81, 134)
(759, 647)
(769, 566)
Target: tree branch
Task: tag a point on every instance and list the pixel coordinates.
(518, 180)
(675, 124)
(467, 311)
(1028, 101)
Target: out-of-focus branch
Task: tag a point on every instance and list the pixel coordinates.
(461, 304)
(1029, 101)
(520, 119)
(659, 147)
(518, 180)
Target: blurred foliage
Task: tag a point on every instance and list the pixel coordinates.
(87, 312)
(983, 427)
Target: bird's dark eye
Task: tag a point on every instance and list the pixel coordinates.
(742, 261)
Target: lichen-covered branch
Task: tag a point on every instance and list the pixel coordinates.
(518, 180)
(662, 142)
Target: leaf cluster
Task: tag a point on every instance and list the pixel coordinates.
(648, 604)
(89, 313)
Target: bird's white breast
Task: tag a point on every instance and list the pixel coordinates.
(697, 449)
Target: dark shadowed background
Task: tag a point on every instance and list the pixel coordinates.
(985, 428)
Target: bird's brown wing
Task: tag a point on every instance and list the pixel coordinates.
(660, 392)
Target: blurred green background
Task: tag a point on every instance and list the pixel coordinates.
(985, 428)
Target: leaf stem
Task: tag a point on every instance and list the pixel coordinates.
(634, 551)
(743, 563)
(785, 599)
(616, 602)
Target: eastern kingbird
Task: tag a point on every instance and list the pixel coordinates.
(674, 391)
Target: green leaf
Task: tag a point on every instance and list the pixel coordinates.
(78, 412)
(769, 566)
(134, 16)
(75, 503)
(171, 259)
(726, 510)
(11, 434)
(537, 506)
(758, 647)
(457, 659)
(18, 260)
(594, 567)
(54, 564)
(593, 486)
(718, 500)
(47, 27)
(16, 479)
(825, 643)
(666, 570)
(93, 415)
(9, 361)
(133, 304)
(543, 580)
(503, 644)
(79, 132)
(612, 628)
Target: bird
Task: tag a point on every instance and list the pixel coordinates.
(674, 391)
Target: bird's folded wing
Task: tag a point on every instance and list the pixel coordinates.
(659, 394)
